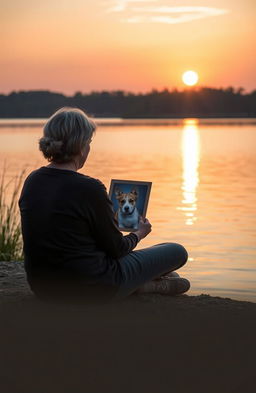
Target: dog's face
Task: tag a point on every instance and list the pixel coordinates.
(127, 201)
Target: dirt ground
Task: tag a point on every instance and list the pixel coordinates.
(145, 343)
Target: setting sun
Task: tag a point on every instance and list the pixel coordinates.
(190, 78)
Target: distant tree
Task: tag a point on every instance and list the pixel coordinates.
(78, 94)
(240, 90)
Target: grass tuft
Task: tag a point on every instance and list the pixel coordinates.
(11, 244)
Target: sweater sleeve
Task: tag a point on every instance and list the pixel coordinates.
(104, 225)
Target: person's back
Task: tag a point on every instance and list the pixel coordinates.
(55, 216)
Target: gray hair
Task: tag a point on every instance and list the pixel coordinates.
(65, 134)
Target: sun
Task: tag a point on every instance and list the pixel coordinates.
(190, 78)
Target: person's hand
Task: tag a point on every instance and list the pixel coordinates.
(144, 228)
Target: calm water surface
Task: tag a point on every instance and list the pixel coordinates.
(203, 191)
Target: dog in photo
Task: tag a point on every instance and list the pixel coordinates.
(127, 213)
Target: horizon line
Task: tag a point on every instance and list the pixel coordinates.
(157, 90)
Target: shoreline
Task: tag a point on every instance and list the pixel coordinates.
(140, 121)
(14, 287)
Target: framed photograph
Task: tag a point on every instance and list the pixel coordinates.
(130, 201)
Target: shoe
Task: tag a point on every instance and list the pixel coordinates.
(173, 285)
(166, 286)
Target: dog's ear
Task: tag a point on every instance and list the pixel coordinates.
(135, 191)
(118, 192)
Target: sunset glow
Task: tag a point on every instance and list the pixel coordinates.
(191, 160)
(132, 45)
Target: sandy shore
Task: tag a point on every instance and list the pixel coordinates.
(146, 343)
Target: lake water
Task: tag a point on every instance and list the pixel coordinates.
(203, 193)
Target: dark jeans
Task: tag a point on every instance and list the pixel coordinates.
(137, 267)
(148, 263)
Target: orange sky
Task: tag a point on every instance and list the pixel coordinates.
(135, 45)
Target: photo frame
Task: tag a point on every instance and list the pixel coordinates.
(130, 201)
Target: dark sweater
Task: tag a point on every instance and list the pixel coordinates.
(68, 221)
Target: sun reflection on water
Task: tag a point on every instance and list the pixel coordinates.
(191, 158)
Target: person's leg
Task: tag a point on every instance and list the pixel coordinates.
(144, 265)
(169, 273)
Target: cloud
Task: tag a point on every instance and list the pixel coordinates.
(122, 5)
(156, 11)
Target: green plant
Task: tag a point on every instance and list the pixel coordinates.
(11, 245)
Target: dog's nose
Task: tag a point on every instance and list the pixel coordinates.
(126, 208)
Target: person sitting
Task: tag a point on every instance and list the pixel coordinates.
(71, 241)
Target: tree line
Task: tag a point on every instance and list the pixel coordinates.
(199, 102)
